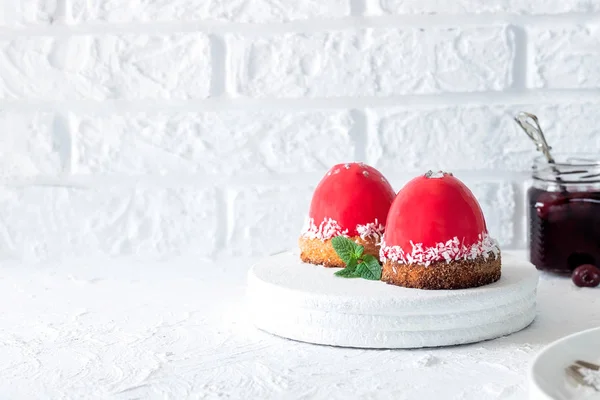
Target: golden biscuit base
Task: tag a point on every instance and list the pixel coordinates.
(321, 252)
(460, 274)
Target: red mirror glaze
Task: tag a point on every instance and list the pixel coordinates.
(431, 210)
(352, 194)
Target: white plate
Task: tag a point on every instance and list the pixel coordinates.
(306, 302)
(547, 378)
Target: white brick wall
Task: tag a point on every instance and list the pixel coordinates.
(57, 222)
(155, 128)
(566, 57)
(373, 62)
(194, 10)
(485, 6)
(174, 66)
(225, 143)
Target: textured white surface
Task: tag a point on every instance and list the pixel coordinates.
(565, 56)
(84, 67)
(211, 142)
(179, 330)
(484, 6)
(62, 223)
(264, 218)
(186, 10)
(367, 63)
(28, 146)
(308, 303)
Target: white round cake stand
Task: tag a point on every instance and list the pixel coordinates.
(306, 302)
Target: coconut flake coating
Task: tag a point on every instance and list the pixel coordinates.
(330, 228)
(451, 250)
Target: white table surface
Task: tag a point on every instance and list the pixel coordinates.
(177, 329)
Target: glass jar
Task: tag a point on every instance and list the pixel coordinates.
(564, 213)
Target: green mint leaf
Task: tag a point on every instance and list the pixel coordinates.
(344, 248)
(358, 251)
(351, 266)
(346, 273)
(360, 270)
(370, 268)
(349, 271)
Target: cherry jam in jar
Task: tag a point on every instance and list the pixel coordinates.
(564, 213)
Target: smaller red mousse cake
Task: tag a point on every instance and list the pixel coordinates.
(437, 238)
(352, 200)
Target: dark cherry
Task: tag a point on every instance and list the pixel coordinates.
(586, 275)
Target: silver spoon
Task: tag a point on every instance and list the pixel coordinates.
(531, 126)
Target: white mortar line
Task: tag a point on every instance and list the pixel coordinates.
(61, 13)
(229, 79)
(62, 141)
(239, 180)
(530, 67)
(72, 124)
(521, 58)
(230, 197)
(359, 134)
(218, 51)
(223, 103)
(373, 147)
(59, 28)
(358, 7)
(373, 7)
(519, 238)
(223, 225)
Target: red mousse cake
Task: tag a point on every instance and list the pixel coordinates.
(436, 237)
(352, 200)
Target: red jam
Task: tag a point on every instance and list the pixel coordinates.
(564, 229)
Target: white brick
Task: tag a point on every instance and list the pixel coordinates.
(454, 138)
(569, 128)
(373, 62)
(267, 219)
(215, 143)
(497, 201)
(105, 67)
(53, 222)
(566, 57)
(32, 144)
(27, 12)
(483, 6)
(475, 137)
(188, 10)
